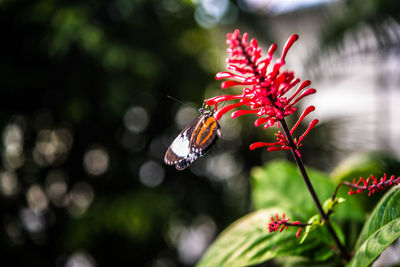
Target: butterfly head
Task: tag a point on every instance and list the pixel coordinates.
(206, 110)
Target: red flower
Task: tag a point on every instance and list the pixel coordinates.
(277, 224)
(266, 87)
(281, 141)
(363, 185)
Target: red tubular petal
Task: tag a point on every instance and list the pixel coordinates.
(290, 86)
(294, 82)
(301, 87)
(260, 144)
(226, 75)
(257, 145)
(365, 182)
(222, 98)
(270, 123)
(299, 232)
(288, 44)
(304, 94)
(242, 70)
(219, 113)
(228, 84)
(310, 126)
(272, 49)
(223, 75)
(274, 148)
(303, 115)
(260, 121)
(242, 112)
(245, 38)
(236, 61)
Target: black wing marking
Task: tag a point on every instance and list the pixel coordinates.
(179, 153)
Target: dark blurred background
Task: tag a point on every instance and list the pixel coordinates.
(85, 118)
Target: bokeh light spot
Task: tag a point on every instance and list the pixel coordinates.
(151, 174)
(13, 139)
(8, 183)
(136, 119)
(192, 240)
(36, 198)
(208, 13)
(80, 259)
(96, 161)
(56, 188)
(52, 146)
(185, 115)
(32, 221)
(223, 166)
(81, 196)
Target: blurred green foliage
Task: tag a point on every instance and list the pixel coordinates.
(86, 120)
(85, 123)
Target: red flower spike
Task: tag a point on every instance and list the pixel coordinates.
(278, 224)
(267, 90)
(372, 184)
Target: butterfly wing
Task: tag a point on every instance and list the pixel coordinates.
(205, 135)
(179, 152)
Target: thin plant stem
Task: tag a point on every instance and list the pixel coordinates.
(343, 252)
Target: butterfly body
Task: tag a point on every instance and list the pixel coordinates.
(193, 141)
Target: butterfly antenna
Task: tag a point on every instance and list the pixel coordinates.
(177, 100)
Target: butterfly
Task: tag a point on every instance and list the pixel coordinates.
(194, 141)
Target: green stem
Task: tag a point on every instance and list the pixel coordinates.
(343, 252)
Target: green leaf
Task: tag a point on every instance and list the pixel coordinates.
(314, 222)
(381, 229)
(247, 242)
(386, 210)
(376, 244)
(280, 184)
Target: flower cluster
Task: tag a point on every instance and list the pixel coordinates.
(278, 224)
(282, 142)
(363, 185)
(265, 87)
